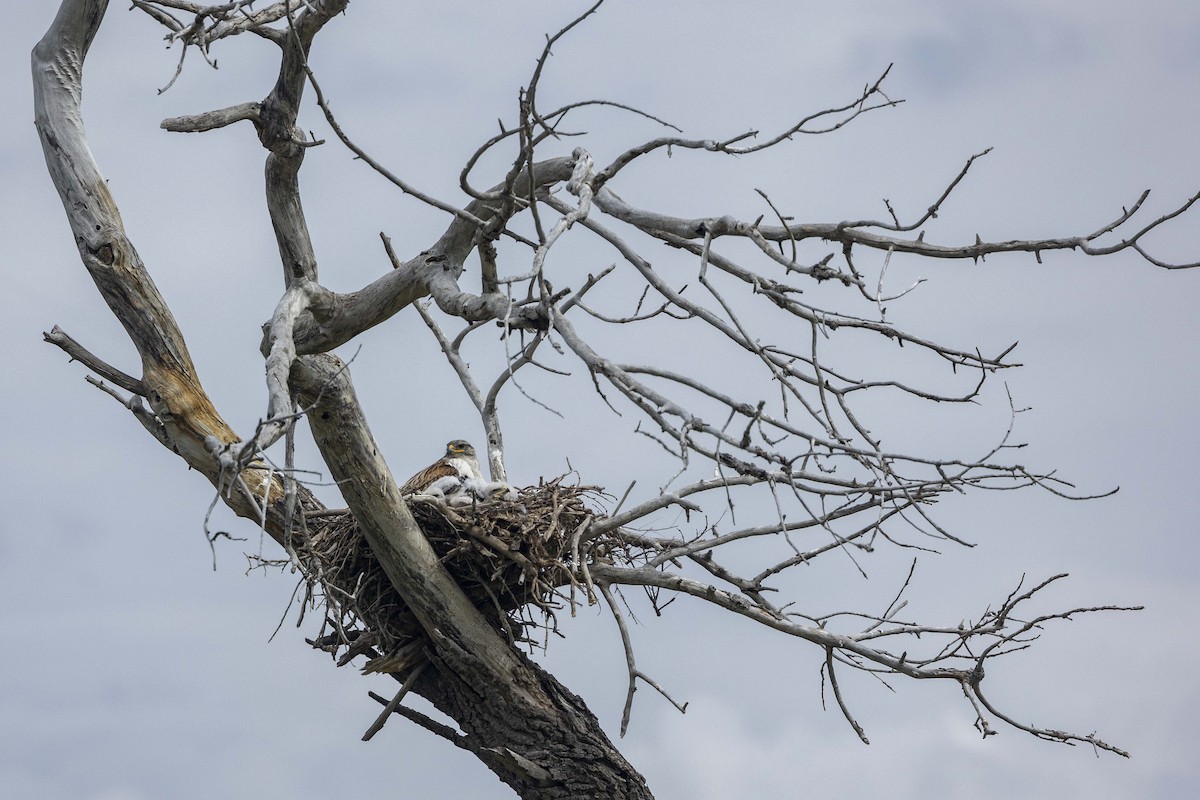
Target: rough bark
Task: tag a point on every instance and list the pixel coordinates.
(190, 424)
(519, 720)
(810, 454)
(538, 737)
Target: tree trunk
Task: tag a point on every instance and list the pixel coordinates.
(518, 719)
(538, 737)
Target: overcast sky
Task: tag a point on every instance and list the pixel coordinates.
(133, 670)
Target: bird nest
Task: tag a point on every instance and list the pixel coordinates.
(513, 558)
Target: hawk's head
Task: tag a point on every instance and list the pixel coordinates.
(459, 447)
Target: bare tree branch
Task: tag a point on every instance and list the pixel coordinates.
(780, 413)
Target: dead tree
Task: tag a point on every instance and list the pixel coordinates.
(794, 440)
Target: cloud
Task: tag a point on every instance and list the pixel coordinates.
(137, 672)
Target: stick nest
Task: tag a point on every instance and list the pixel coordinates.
(512, 558)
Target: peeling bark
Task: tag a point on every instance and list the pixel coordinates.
(169, 378)
(538, 737)
(808, 453)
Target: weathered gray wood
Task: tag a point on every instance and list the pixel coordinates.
(534, 734)
(190, 422)
(538, 737)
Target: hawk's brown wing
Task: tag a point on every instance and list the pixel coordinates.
(426, 477)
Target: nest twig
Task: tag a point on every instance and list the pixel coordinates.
(510, 557)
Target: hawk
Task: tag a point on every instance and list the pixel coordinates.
(459, 462)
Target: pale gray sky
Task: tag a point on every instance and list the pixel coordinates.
(134, 671)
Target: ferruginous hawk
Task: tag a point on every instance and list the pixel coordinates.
(459, 462)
